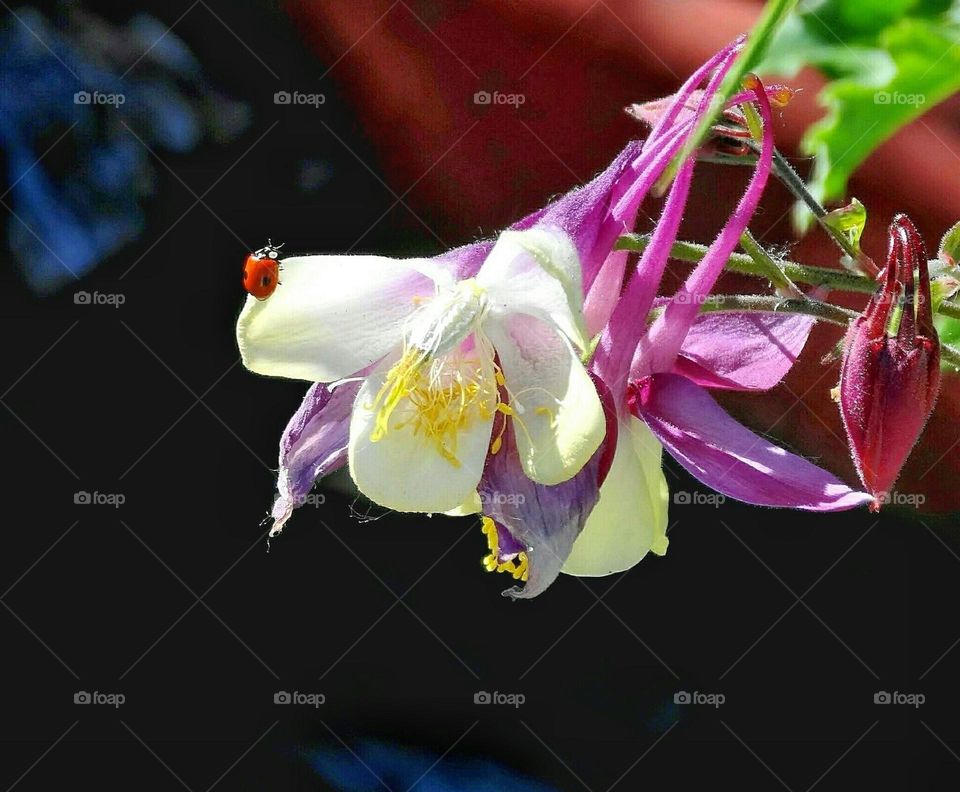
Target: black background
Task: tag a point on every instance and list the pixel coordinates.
(149, 400)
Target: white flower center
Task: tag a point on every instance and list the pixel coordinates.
(437, 389)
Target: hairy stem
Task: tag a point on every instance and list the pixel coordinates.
(792, 181)
(756, 303)
(822, 311)
(766, 263)
(840, 280)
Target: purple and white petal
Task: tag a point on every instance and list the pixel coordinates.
(585, 214)
(331, 316)
(313, 445)
(552, 397)
(543, 520)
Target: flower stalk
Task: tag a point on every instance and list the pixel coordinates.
(741, 263)
(823, 311)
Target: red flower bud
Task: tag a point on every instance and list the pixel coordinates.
(891, 366)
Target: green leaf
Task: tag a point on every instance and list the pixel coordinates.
(849, 220)
(950, 245)
(949, 332)
(889, 61)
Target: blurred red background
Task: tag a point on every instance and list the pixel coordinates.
(410, 69)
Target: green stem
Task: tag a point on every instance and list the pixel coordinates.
(949, 308)
(767, 264)
(792, 181)
(692, 253)
(758, 303)
(835, 279)
(763, 31)
(825, 312)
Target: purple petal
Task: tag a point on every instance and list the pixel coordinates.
(585, 214)
(543, 520)
(465, 261)
(313, 445)
(742, 351)
(728, 457)
(722, 59)
(627, 326)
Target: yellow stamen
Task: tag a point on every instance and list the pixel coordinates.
(549, 413)
(518, 566)
(445, 395)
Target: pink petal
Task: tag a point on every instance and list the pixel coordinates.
(662, 344)
(681, 97)
(742, 351)
(628, 322)
(728, 457)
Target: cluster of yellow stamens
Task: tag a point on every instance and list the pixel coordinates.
(518, 566)
(443, 395)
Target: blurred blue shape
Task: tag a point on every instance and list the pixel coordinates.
(370, 764)
(75, 96)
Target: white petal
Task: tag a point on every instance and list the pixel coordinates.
(537, 272)
(631, 516)
(332, 316)
(472, 505)
(558, 415)
(403, 469)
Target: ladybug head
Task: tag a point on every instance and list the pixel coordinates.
(270, 251)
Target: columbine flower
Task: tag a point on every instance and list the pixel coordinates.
(661, 402)
(455, 338)
(317, 436)
(441, 357)
(891, 366)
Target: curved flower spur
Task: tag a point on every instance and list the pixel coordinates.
(656, 377)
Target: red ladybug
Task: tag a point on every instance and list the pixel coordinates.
(261, 271)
